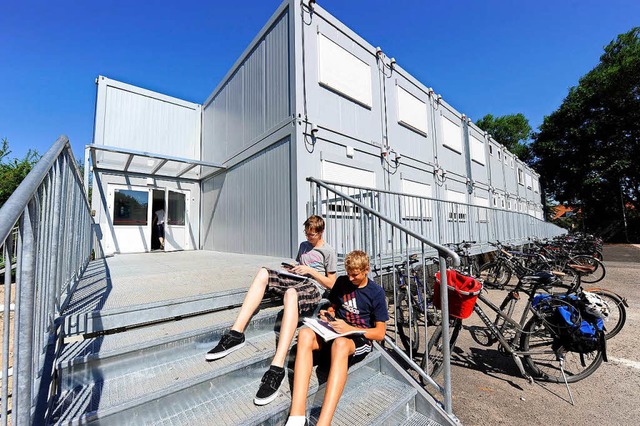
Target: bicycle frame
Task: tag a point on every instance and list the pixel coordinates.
(518, 326)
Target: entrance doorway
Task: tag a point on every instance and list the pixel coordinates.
(158, 211)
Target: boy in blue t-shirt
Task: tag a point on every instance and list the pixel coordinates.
(357, 303)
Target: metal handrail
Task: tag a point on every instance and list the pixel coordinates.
(55, 241)
(444, 254)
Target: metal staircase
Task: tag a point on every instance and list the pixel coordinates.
(157, 375)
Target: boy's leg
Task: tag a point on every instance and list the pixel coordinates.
(308, 341)
(273, 378)
(252, 300)
(341, 349)
(234, 340)
(287, 327)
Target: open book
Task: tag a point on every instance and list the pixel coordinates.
(324, 329)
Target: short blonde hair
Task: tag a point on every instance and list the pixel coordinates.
(357, 260)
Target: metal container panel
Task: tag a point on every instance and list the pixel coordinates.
(138, 119)
(253, 98)
(247, 209)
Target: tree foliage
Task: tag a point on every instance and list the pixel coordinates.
(513, 131)
(587, 150)
(13, 171)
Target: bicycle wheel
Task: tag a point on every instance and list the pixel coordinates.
(494, 274)
(617, 311)
(598, 272)
(537, 343)
(406, 324)
(432, 361)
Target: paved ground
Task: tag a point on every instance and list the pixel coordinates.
(488, 389)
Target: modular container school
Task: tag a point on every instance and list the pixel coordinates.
(308, 97)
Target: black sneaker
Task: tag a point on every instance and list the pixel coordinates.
(228, 343)
(271, 381)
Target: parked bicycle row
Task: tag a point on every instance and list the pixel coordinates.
(552, 327)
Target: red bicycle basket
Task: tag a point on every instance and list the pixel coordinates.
(463, 293)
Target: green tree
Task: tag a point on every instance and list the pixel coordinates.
(513, 131)
(587, 150)
(13, 171)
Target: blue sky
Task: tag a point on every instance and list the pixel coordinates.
(483, 56)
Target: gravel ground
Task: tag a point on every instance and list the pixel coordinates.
(488, 388)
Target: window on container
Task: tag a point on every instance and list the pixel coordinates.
(511, 162)
(477, 150)
(456, 209)
(506, 159)
(346, 176)
(130, 207)
(412, 112)
(176, 214)
(520, 176)
(536, 186)
(415, 206)
(500, 155)
(452, 135)
(529, 181)
(483, 205)
(341, 71)
(491, 150)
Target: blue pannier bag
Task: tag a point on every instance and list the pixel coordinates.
(574, 329)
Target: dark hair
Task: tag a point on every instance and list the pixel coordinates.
(314, 223)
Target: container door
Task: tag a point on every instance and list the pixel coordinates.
(177, 224)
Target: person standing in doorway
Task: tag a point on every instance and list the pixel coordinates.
(158, 221)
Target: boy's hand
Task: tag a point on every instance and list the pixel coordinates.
(328, 314)
(303, 270)
(340, 326)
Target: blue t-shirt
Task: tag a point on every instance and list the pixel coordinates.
(360, 307)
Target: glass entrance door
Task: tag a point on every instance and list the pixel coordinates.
(176, 227)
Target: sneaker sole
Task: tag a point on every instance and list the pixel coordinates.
(212, 357)
(267, 400)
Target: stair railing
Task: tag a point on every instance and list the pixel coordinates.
(55, 241)
(357, 221)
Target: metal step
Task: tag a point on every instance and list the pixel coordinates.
(109, 356)
(89, 402)
(418, 419)
(377, 400)
(230, 401)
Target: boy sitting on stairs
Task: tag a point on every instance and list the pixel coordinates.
(300, 290)
(357, 303)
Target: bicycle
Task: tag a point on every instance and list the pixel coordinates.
(468, 265)
(412, 303)
(530, 341)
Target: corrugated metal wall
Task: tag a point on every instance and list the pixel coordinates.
(137, 119)
(247, 209)
(253, 99)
